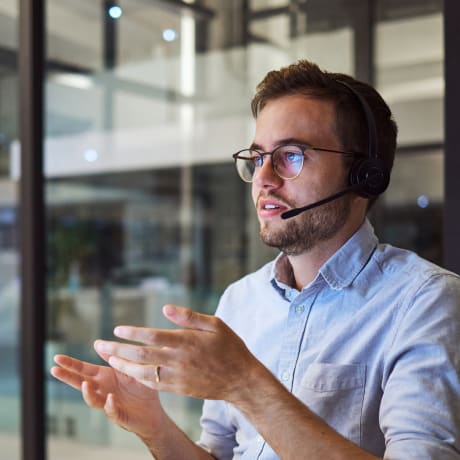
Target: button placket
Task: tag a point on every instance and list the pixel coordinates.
(296, 324)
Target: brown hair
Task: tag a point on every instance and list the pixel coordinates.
(306, 78)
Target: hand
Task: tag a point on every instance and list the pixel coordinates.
(206, 360)
(125, 401)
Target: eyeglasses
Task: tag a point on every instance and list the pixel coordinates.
(287, 160)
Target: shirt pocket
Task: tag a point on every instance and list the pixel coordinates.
(335, 392)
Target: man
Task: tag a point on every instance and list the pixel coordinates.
(341, 347)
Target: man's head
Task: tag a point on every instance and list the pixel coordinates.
(303, 105)
(306, 78)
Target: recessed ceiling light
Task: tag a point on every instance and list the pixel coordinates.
(169, 35)
(115, 12)
(91, 155)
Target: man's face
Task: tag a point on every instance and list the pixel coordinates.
(299, 120)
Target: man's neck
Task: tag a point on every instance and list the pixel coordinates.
(305, 266)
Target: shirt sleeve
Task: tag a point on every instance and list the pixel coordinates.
(218, 434)
(420, 409)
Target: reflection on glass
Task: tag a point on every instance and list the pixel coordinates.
(144, 206)
(412, 81)
(412, 211)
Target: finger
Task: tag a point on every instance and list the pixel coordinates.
(104, 356)
(190, 319)
(91, 397)
(112, 411)
(157, 338)
(68, 377)
(140, 372)
(75, 365)
(135, 353)
(146, 335)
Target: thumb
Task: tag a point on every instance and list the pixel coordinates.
(189, 319)
(112, 411)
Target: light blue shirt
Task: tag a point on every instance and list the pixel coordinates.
(371, 345)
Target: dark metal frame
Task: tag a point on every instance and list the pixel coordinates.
(32, 222)
(452, 140)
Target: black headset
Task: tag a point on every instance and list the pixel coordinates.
(368, 176)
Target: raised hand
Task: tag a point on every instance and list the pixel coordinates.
(205, 359)
(125, 401)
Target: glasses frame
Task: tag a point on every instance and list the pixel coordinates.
(303, 148)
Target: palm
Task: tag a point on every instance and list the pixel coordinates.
(134, 402)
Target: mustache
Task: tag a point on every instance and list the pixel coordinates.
(275, 196)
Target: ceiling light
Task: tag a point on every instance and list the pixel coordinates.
(72, 79)
(169, 35)
(91, 155)
(115, 12)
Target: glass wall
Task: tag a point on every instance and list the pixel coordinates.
(145, 103)
(409, 59)
(144, 205)
(143, 112)
(9, 256)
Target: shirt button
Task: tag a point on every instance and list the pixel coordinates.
(299, 309)
(285, 376)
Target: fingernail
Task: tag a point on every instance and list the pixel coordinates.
(101, 345)
(169, 310)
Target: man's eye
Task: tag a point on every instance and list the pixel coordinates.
(257, 160)
(292, 157)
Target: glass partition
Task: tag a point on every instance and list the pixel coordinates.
(9, 253)
(145, 103)
(144, 206)
(409, 59)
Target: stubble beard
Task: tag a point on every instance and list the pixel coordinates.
(302, 233)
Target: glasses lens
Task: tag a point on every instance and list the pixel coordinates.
(246, 163)
(288, 161)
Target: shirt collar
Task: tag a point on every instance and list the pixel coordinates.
(339, 271)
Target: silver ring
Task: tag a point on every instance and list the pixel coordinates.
(157, 374)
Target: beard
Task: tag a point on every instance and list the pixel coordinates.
(301, 234)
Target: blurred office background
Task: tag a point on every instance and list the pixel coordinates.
(145, 101)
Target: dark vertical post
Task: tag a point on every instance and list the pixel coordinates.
(33, 291)
(452, 139)
(110, 60)
(293, 19)
(364, 32)
(245, 12)
(110, 35)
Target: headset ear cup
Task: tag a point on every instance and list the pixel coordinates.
(371, 177)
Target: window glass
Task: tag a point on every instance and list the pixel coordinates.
(144, 107)
(145, 103)
(144, 205)
(409, 60)
(413, 204)
(9, 256)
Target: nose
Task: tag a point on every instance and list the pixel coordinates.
(266, 177)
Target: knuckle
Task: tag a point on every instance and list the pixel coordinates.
(216, 323)
(142, 354)
(189, 315)
(151, 336)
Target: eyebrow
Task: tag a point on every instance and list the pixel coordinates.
(289, 140)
